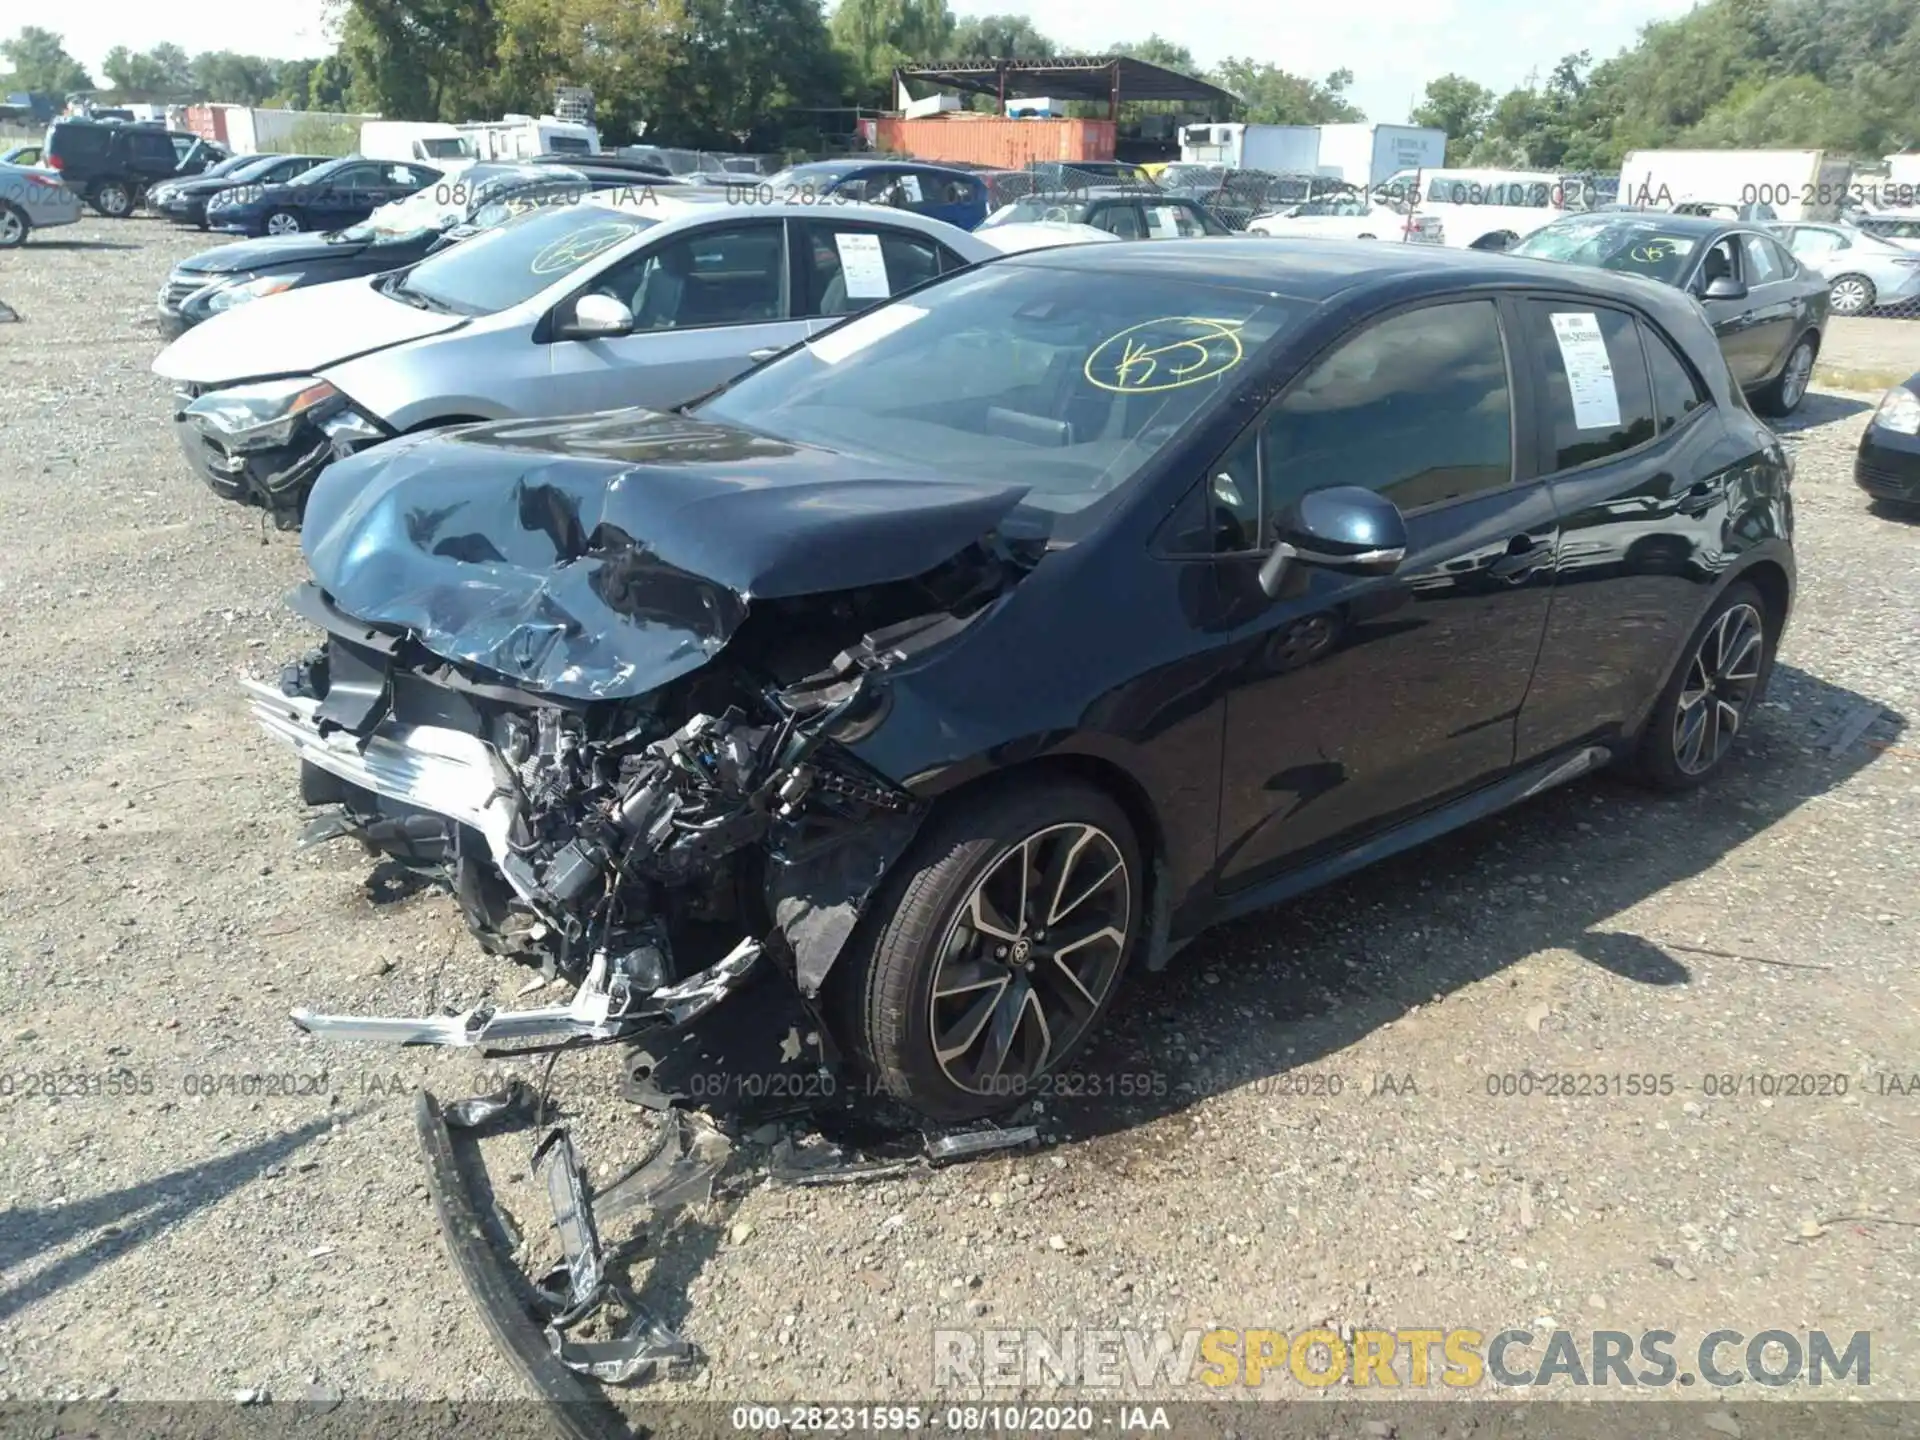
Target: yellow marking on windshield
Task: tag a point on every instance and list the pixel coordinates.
(1164, 354)
(582, 245)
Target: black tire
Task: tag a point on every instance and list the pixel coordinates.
(1851, 295)
(883, 985)
(1662, 760)
(1781, 396)
(15, 227)
(113, 198)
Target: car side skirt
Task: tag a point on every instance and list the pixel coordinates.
(1556, 770)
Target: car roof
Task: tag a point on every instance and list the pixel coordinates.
(1318, 270)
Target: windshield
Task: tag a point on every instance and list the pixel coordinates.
(315, 174)
(447, 202)
(1037, 208)
(1612, 242)
(1069, 379)
(805, 180)
(513, 262)
(239, 167)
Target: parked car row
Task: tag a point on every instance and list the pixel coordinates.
(688, 573)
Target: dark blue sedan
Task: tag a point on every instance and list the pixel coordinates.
(940, 191)
(330, 196)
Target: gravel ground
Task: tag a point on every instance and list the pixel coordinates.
(156, 924)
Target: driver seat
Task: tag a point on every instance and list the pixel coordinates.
(656, 304)
(1716, 266)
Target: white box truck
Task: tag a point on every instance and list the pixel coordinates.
(1364, 155)
(1280, 149)
(432, 142)
(516, 137)
(1791, 184)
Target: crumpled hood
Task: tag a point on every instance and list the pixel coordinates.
(599, 558)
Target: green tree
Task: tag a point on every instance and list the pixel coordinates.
(237, 79)
(1272, 96)
(742, 67)
(41, 63)
(879, 36)
(164, 71)
(1459, 106)
(1002, 37)
(421, 59)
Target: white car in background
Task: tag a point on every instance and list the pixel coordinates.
(648, 300)
(1865, 270)
(1485, 209)
(1349, 217)
(1012, 238)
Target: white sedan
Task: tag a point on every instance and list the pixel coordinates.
(1348, 217)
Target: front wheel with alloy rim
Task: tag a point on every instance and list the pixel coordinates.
(1783, 395)
(1851, 295)
(113, 200)
(1710, 697)
(995, 948)
(283, 222)
(14, 227)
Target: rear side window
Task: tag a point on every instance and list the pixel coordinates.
(1676, 392)
(1765, 263)
(1596, 397)
(87, 140)
(853, 267)
(150, 147)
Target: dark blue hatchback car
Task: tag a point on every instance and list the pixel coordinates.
(940, 191)
(330, 196)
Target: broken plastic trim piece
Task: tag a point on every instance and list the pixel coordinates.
(579, 1287)
(599, 1010)
(578, 1411)
(825, 1163)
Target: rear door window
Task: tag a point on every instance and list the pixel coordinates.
(150, 147)
(1121, 217)
(851, 266)
(1763, 260)
(1677, 392)
(1596, 398)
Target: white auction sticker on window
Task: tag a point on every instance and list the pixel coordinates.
(850, 337)
(1162, 222)
(863, 266)
(911, 184)
(1583, 351)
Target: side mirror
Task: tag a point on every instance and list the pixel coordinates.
(1724, 287)
(596, 317)
(1346, 528)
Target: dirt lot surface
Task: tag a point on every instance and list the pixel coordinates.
(156, 924)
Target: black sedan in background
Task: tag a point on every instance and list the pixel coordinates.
(1887, 465)
(326, 197)
(1233, 567)
(1767, 309)
(390, 239)
(184, 201)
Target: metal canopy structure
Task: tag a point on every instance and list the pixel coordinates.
(1111, 78)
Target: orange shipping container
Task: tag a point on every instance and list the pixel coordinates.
(209, 122)
(989, 140)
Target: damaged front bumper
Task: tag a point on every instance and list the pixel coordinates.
(272, 471)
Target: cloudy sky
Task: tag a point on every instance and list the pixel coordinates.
(1393, 47)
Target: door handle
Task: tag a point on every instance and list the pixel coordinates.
(1524, 556)
(765, 352)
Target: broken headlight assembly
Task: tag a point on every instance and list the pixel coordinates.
(263, 416)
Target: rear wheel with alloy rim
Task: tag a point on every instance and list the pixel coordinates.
(995, 949)
(1788, 388)
(1709, 699)
(113, 200)
(1851, 295)
(14, 227)
(283, 222)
